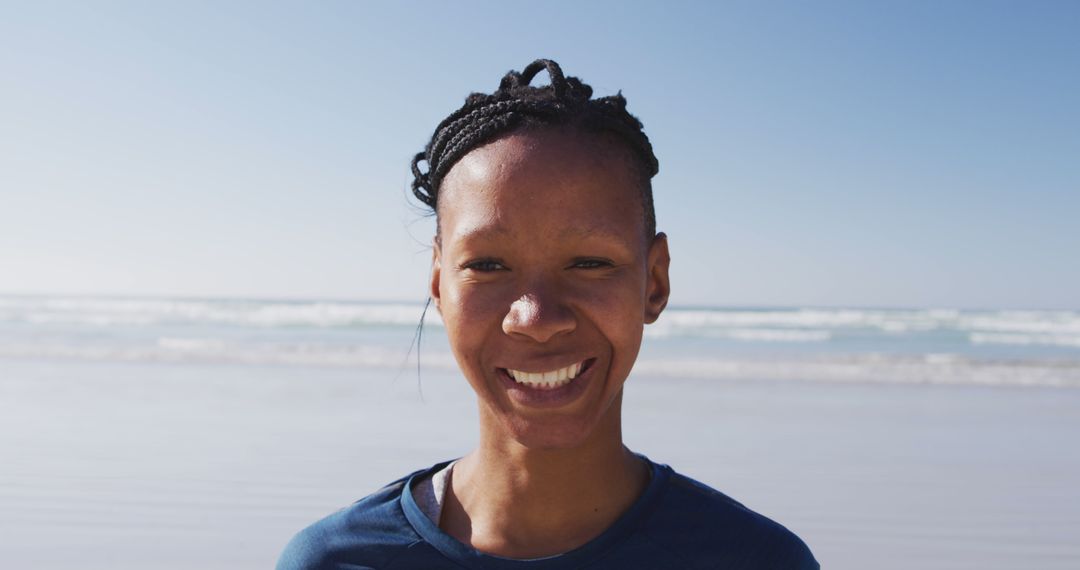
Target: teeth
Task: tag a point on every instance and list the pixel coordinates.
(547, 380)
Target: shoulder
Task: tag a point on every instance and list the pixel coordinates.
(370, 533)
(698, 523)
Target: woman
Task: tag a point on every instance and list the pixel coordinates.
(546, 267)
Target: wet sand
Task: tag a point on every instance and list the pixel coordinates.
(118, 466)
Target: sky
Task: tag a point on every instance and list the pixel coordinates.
(883, 154)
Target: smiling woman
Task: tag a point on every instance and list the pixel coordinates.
(541, 265)
(546, 268)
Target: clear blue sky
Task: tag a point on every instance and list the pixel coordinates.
(832, 153)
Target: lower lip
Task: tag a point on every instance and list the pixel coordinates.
(550, 397)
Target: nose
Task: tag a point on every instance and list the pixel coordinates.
(539, 317)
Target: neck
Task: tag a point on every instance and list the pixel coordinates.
(519, 502)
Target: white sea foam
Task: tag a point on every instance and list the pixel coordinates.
(764, 325)
(212, 351)
(810, 318)
(779, 335)
(693, 322)
(874, 369)
(192, 344)
(865, 368)
(860, 345)
(1026, 339)
(135, 312)
(1046, 322)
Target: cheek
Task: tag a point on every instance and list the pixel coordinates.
(618, 300)
(465, 334)
(471, 304)
(617, 309)
(471, 315)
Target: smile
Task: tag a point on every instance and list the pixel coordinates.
(548, 380)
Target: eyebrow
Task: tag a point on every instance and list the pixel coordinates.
(488, 231)
(483, 232)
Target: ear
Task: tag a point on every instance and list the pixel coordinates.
(658, 288)
(436, 270)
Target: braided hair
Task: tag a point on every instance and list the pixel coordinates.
(515, 105)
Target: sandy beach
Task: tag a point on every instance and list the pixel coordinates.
(128, 465)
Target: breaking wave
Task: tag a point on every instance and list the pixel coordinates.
(1022, 328)
(935, 346)
(244, 313)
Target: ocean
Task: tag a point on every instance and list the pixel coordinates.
(202, 433)
(934, 346)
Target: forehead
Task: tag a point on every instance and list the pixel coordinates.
(555, 183)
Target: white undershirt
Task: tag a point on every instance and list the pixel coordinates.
(430, 492)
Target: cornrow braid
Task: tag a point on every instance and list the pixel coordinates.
(515, 104)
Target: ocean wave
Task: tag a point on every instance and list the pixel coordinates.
(754, 325)
(876, 369)
(936, 368)
(1043, 322)
(216, 351)
(1026, 339)
(146, 312)
(694, 321)
(748, 334)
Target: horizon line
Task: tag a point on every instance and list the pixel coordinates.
(418, 302)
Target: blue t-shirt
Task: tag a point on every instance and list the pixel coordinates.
(677, 523)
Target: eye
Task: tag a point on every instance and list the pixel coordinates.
(591, 263)
(484, 265)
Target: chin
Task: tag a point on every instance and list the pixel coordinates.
(562, 433)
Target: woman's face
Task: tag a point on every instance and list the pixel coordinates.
(544, 278)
